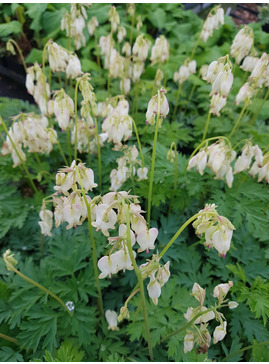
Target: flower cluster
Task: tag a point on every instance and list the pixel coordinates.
(29, 131)
(118, 124)
(258, 78)
(118, 257)
(244, 160)
(218, 229)
(158, 275)
(218, 158)
(73, 23)
(68, 201)
(152, 109)
(126, 168)
(63, 108)
(198, 334)
(219, 74)
(160, 50)
(38, 87)
(184, 72)
(213, 19)
(242, 44)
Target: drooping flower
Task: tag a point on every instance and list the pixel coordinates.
(111, 317)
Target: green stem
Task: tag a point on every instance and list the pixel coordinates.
(207, 140)
(139, 278)
(62, 153)
(20, 53)
(175, 178)
(238, 119)
(153, 158)
(19, 156)
(94, 254)
(38, 160)
(245, 349)
(99, 154)
(206, 125)
(76, 121)
(178, 233)
(253, 120)
(190, 97)
(177, 98)
(8, 338)
(188, 324)
(43, 289)
(97, 53)
(138, 141)
(131, 32)
(195, 47)
(41, 245)
(68, 144)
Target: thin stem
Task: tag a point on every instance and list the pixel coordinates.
(178, 233)
(244, 349)
(136, 99)
(207, 140)
(19, 156)
(38, 160)
(238, 119)
(131, 296)
(175, 179)
(188, 324)
(132, 27)
(139, 278)
(195, 47)
(94, 255)
(206, 125)
(177, 98)
(8, 338)
(138, 141)
(76, 120)
(253, 120)
(43, 289)
(97, 53)
(68, 144)
(190, 97)
(62, 153)
(99, 154)
(20, 53)
(153, 158)
(41, 245)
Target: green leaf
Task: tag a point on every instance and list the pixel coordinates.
(260, 353)
(35, 12)
(7, 354)
(34, 56)
(11, 28)
(158, 18)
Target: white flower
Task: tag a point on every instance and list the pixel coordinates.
(142, 173)
(160, 50)
(146, 239)
(188, 342)
(112, 319)
(109, 265)
(232, 305)
(154, 289)
(219, 332)
(105, 219)
(198, 293)
(46, 222)
(249, 63)
(242, 44)
(199, 160)
(73, 68)
(152, 109)
(141, 48)
(58, 57)
(221, 290)
(87, 179)
(92, 25)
